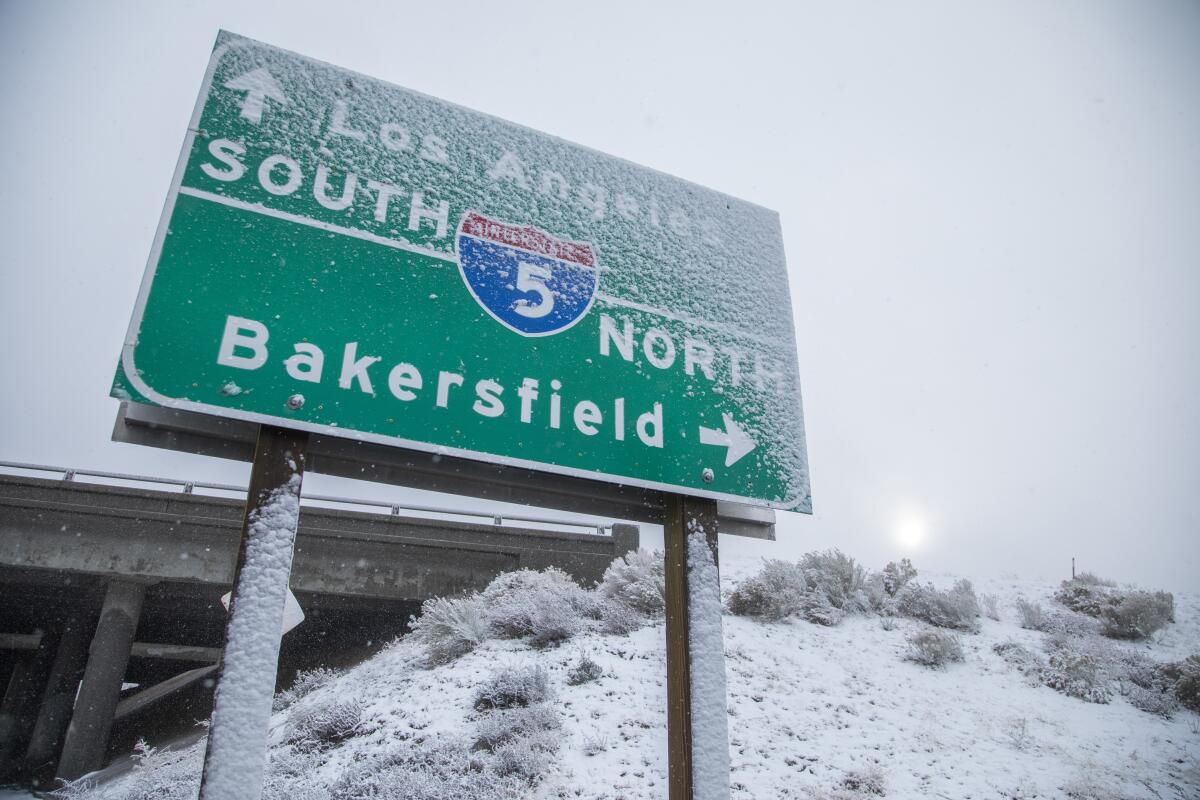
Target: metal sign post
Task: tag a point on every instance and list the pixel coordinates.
(697, 725)
(237, 742)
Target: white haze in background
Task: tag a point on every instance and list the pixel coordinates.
(991, 212)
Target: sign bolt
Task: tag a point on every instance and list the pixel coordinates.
(707, 475)
(295, 401)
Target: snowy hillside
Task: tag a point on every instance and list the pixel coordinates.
(815, 711)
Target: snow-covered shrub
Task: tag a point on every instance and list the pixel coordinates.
(615, 617)
(1162, 703)
(897, 575)
(934, 648)
(449, 627)
(157, 774)
(594, 744)
(440, 770)
(288, 775)
(1077, 669)
(499, 727)
(1137, 615)
(637, 579)
(547, 606)
(836, 576)
(1092, 579)
(816, 607)
(510, 687)
(956, 608)
(991, 606)
(887, 623)
(867, 781)
(774, 592)
(1024, 660)
(520, 729)
(325, 723)
(1088, 787)
(878, 599)
(1144, 682)
(1033, 616)
(1086, 597)
(1185, 678)
(1071, 623)
(584, 671)
(305, 682)
(1018, 735)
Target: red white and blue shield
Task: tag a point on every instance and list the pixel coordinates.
(529, 281)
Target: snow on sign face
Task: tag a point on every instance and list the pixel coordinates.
(430, 277)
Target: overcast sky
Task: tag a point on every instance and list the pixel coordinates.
(991, 213)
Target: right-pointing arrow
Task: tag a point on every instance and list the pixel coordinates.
(733, 437)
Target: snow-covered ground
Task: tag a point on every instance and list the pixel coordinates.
(809, 708)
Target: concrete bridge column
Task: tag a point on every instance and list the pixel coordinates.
(45, 744)
(18, 710)
(91, 722)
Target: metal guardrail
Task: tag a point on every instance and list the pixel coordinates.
(188, 487)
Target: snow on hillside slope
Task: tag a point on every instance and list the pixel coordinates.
(812, 710)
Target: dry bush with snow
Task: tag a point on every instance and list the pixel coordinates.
(1124, 613)
(157, 774)
(546, 606)
(1026, 661)
(1077, 668)
(991, 606)
(306, 682)
(614, 617)
(1033, 616)
(450, 627)
(511, 687)
(585, 671)
(1137, 615)
(774, 592)
(838, 577)
(896, 576)
(866, 781)
(956, 608)
(1091, 579)
(637, 580)
(324, 724)
(439, 770)
(1086, 597)
(1185, 678)
(934, 648)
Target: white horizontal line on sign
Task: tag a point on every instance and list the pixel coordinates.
(315, 223)
(398, 244)
(611, 300)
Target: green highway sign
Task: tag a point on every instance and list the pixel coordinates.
(341, 255)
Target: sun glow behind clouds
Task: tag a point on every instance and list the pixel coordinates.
(911, 530)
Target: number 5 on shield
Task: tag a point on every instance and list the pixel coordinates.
(530, 278)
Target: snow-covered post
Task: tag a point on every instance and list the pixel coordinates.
(697, 723)
(237, 741)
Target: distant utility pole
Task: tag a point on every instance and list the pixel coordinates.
(1072, 567)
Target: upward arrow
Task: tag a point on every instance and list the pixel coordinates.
(733, 437)
(258, 84)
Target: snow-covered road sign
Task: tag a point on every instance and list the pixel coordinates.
(344, 256)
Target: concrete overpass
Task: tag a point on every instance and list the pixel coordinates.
(104, 585)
